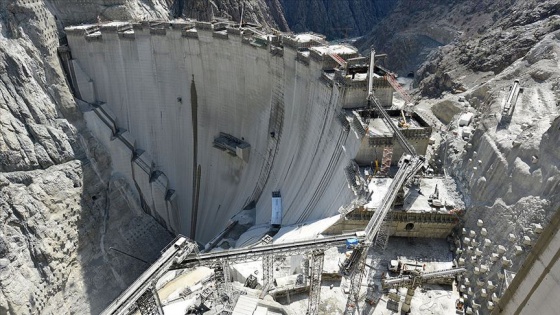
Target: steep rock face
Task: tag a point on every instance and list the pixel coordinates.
(267, 13)
(508, 172)
(494, 35)
(336, 19)
(61, 206)
(410, 32)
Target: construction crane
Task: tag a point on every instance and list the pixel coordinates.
(391, 78)
(409, 164)
(416, 279)
(339, 60)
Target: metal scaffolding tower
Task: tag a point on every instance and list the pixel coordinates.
(268, 268)
(268, 272)
(356, 284)
(317, 259)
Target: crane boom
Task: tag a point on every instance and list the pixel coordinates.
(393, 81)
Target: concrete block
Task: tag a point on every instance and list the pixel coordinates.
(490, 305)
(469, 250)
(461, 261)
(474, 243)
(495, 298)
(483, 268)
(483, 232)
(491, 285)
(487, 242)
(494, 257)
(462, 288)
(538, 228)
(467, 282)
(479, 223)
(478, 252)
(483, 293)
(526, 240)
(476, 271)
(464, 231)
(505, 262)
(472, 233)
(501, 249)
(466, 240)
(511, 237)
(518, 250)
(469, 310)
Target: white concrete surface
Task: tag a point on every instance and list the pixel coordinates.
(242, 90)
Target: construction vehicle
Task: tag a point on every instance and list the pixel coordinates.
(434, 200)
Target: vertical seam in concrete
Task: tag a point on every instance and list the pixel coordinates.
(196, 167)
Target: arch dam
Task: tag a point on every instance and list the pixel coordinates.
(206, 119)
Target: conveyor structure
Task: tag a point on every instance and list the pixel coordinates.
(257, 252)
(408, 167)
(141, 294)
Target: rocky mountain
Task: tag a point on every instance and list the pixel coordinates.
(336, 19)
(268, 13)
(63, 209)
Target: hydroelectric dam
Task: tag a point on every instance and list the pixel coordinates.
(207, 119)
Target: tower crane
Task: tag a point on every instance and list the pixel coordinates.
(409, 164)
(416, 279)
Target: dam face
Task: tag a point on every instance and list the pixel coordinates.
(205, 122)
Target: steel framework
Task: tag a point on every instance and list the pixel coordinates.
(317, 259)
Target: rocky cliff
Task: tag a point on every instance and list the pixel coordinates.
(62, 208)
(336, 19)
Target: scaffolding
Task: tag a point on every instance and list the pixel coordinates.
(386, 159)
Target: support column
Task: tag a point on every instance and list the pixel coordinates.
(317, 259)
(408, 299)
(227, 279)
(268, 273)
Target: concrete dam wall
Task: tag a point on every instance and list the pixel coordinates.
(206, 123)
